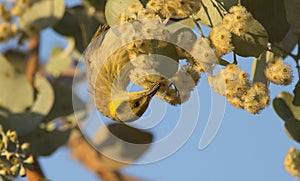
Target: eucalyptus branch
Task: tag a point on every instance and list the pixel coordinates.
(88, 156)
(298, 55)
(220, 7)
(199, 28)
(223, 62)
(36, 174)
(234, 58)
(206, 11)
(239, 2)
(33, 48)
(269, 48)
(295, 57)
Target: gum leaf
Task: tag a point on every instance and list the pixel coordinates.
(114, 8)
(259, 66)
(272, 15)
(26, 121)
(209, 15)
(288, 98)
(59, 61)
(292, 128)
(44, 143)
(282, 109)
(42, 14)
(78, 23)
(296, 100)
(121, 142)
(292, 12)
(16, 94)
(253, 42)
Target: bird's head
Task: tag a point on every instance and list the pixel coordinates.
(133, 105)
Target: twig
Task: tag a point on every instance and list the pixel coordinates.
(32, 63)
(269, 48)
(220, 8)
(206, 11)
(223, 62)
(93, 160)
(234, 58)
(199, 28)
(36, 174)
(295, 57)
(298, 55)
(239, 2)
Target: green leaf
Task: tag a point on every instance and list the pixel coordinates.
(25, 122)
(282, 109)
(42, 14)
(271, 14)
(253, 42)
(292, 128)
(296, 100)
(292, 12)
(184, 32)
(121, 142)
(16, 94)
(288, 98)
(228, 3)
(59, 61)
(185, 23)
(289, 113)
(259, 66)
(17, 59)
(209, 14)
(114, 8)
(44, 143)
(287, 44)
(98, 5)
(79, 23)
(63, 104)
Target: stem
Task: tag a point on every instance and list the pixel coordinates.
(298, 67)
(36, 174)
(223, 62)
(93, 160)
(234, 58)
(206, 11)
(199, 28)
(295, 57)
(220, 7)
(298, 55)
(239, 2)
(33, 56)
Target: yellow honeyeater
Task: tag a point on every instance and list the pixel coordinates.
(108, 76)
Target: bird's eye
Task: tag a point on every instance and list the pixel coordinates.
(136, 104)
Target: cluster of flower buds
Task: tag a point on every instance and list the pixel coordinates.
(174, 90)
(174, 8)
(8, 27)
(179, 87)
(233, 83)
(13, 155)
(279, 72)
(203, 58)
(145, 35)
(236, 23)
(164, 9)
(292, 162)
(136, 11)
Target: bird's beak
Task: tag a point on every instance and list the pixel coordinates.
(152, 91)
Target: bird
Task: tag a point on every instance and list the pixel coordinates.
(108, 76)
